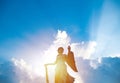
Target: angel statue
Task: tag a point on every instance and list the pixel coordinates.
(61, 74)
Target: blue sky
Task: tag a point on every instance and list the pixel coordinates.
(23, 16)
(83, 20)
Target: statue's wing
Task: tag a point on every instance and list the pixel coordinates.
(71, 61)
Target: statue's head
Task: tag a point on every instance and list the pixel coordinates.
(60, 50)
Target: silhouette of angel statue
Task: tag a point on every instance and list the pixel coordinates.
(61, 74)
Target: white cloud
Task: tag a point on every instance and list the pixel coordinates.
(25, 72)
(95, 63)
(84, 49)
(23, 66)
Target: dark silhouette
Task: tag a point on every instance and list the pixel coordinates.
(61, 74)
(71, 60)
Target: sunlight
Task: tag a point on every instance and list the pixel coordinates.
(102, 29)
(39, 68)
